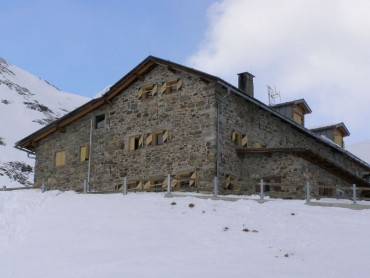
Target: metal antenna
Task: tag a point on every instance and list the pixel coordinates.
(273, 95)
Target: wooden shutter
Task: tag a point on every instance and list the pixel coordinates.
(163, 88)
(147, 185)
(132, 143)
(233, 136)
(257, 145)
(164, 183)
(228, 182)
(179, 84)
(193, 177)
(140, 93)
(174, 182)
(84, 153)
(338, 140)
(139, 185)
(244, 140)
(154, 89)
(141, 141)
(165, 136)
(60, 158)
(149, 139)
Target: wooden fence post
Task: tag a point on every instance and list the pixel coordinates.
(261, 190)
(124, 186)
(354, 194)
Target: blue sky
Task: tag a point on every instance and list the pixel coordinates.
(312, 49)
(82, 46)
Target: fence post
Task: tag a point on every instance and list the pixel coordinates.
(215, 187)
(354, 194)
(4, 187)
(85, 186)
(168, 184)
(124, 186)
(261, 190)
(43, 188)
(308, 192)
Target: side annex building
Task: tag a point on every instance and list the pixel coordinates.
(164, 118)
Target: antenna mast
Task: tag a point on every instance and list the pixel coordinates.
(273, 95)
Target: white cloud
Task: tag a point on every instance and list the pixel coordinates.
(319, 50)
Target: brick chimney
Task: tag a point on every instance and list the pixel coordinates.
(245, 83)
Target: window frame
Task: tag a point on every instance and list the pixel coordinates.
(99, 120)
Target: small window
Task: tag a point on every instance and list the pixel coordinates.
(186, 180)
(171, 86)
(147, 91)
(136, 142)
(60, 158)
(157, 138)
(84, 153)
(240, 140)
(100, 121)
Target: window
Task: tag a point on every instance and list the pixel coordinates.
(136, 142)
(157, 138)
(239, 139)
(100, 121)
(171, 86)
(60, 158)
(84, 153)
(187, 180)
(147, 91)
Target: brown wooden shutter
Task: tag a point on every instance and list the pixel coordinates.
(155, 90)
(149, 139)
(141, 141)
(193, 177)
(163, 88)
(140, 93)
(179, 84)
(132, 143)
(165, 136)
(244, 140)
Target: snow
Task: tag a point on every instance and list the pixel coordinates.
(18, 87)
(65, 234)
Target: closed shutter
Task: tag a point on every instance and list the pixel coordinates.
(132, 143)
(84, 153)
(141, 141)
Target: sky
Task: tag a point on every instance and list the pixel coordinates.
(316, 50)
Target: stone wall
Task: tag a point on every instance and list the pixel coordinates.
(188, 115)
(264, 129)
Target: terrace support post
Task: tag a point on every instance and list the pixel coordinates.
(215, 187)
(261, 190)
(124, 186)
(168, 184)
(354, 194)
(308, 192)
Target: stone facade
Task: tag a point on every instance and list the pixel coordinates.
(188, 115)
(170, 119)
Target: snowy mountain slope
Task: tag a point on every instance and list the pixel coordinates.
(362, 150)
(66, 234)
(27, 103)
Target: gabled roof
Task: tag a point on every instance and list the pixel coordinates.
(29, 142)
(341, 126)
(301, 102)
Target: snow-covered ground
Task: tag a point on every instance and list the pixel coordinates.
(64, 234)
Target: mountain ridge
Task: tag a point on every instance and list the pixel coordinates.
(27, 103)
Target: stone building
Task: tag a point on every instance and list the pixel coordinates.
(164, 118)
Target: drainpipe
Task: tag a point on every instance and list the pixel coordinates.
(217, 183)
(90, 148)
